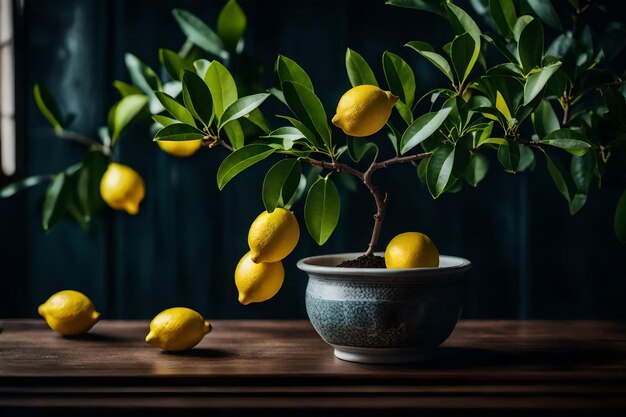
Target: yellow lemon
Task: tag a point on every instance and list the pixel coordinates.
(180, 148)
(122, 188)
(69, 312)
(273, 236)
(177, 329)
(411, 250)
(363, 110)
(258, 282)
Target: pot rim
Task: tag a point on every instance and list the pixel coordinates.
(316, 265)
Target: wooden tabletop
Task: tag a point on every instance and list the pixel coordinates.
(485, 365)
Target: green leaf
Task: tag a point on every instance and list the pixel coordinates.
(359, 71)
(124, 113)
(199, 33)
(502, 107)
(394, 137)
(544, 10)
(177, 110)
(256, 118)
(359, 147)
(287, 132)
(422, 128)
(164, 120)
(444, 167)
(231, 24)
(620, 218)
(436, 59)
(239, 160)
(280, 183)
(464, 55)
(178, 132)
(126, 89)
(321, 210)
(202, 66)
(583, 169)
(235, 134)
(503, 13)
(462, 22)
(48, 107)
(565, 185)
(298, 193)
(400, 78)
(476, 169)
(544, 119)
(17, 186)
(222, 86)
(405, 112)
(288, 70)
(537, 81)
(530, 45)
(310, 136)
(568, 140)
(433, 6)
(142, 75)
(55, 201)
(308, 109)
(197, 98)
(242, 107)
(88, 179)
(515, 157)
(173, 63)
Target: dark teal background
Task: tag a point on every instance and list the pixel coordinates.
(531, 258)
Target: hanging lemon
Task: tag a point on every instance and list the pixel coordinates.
(122, 188)
(258, 282)
(180, 149)
(363, 110)
(273, 236)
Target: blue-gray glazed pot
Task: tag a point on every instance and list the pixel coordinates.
(372, 315)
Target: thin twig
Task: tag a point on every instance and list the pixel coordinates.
(83, 140)
(211, 141)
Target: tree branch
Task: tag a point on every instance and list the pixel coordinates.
(210, 141)
(366, 178)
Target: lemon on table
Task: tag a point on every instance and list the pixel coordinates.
(182, 148)
(258, 282)
(122, 188)
(177, 329)
(69, 313)
(411, 250)
(363, 110)
(273, 236)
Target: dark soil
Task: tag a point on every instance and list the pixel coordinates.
(364, 262)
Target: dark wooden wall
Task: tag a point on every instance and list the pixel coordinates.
(531, 259)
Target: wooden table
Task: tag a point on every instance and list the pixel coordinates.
(485, 366)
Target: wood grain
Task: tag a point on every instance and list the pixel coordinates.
(526, 365)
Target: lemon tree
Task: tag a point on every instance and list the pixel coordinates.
(508, 93)
(150, 96)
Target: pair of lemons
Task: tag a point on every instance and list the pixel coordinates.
(272, 237)
(72, 313)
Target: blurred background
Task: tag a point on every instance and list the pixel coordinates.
(531, 258)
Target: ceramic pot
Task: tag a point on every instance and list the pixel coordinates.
(372, 315)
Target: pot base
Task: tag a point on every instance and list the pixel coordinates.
(382, 356)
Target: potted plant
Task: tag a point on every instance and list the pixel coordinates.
(502, 105)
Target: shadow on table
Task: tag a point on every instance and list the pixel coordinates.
(202, 353)
(94, 337)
